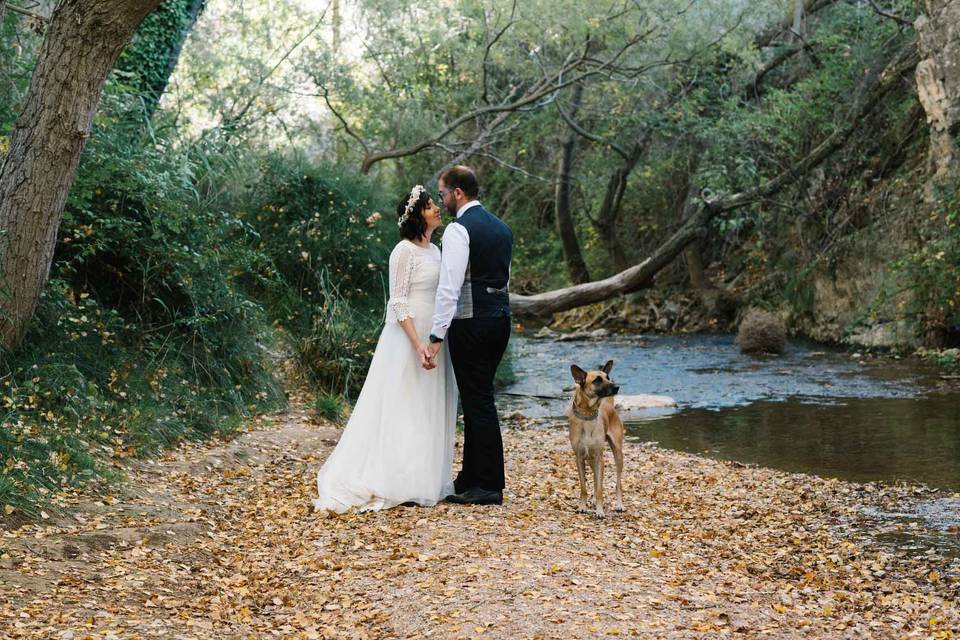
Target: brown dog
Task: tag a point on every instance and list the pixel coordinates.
(594, 423)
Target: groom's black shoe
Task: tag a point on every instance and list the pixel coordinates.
(476, 495)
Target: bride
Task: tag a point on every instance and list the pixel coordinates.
(397, 446)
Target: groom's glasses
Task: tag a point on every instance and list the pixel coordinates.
(441, 193)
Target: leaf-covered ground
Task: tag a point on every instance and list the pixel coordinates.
(220, 541)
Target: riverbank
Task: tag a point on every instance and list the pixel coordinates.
(679, 312)
(218, 540)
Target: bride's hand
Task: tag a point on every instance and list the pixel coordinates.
(427, 360)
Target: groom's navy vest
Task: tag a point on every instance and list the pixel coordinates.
(485, 288)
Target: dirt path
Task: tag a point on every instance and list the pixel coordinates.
(219, 541)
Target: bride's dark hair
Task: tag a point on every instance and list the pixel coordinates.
(415, 225)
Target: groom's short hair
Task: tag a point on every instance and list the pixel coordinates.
(462, 177)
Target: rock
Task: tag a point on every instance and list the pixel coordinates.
(761, 332)
(720, 303)
(883, 335)
(546, 333)
(596, 334)
(633, 403)
(938, 84)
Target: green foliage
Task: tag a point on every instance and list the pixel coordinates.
(18, 46)
(327, 245)
(151, 56)
(800, 290)
(141, 339)
(947, 359)
(330, 406)
(932, 272)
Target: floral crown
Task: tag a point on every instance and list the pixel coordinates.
(411, 203)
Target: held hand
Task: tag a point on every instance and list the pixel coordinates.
(434, 348)
(426, 360)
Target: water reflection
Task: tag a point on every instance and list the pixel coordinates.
(858, 439)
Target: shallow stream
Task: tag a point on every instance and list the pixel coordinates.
(813, 410)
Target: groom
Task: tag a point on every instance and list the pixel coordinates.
(472, 315)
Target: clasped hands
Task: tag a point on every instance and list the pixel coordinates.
(428, 354)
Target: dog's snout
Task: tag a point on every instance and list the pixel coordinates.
(608, 389)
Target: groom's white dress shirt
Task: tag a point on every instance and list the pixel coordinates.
(453, 270)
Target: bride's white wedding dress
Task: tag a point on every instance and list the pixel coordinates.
(398, 443)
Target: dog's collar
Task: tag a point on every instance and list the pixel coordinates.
(592, 416)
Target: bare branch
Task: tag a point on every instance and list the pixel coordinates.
(539, 90)
(383, 73)
(590, 136)
(768, 35)
(889, 14)
(495, 158)
(778, 59)
(231, 121)
(25, 12)
(478, 142)
(346, 127)
(486, 53)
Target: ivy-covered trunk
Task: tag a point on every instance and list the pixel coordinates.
(82, 43)
(155, 49)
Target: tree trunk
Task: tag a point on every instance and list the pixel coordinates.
(83, 40)
(156, 45)
(797, 27)
(336, 20)
(608, 221)
(3, 8)
(698, 275)
(693, 253)
(576, 267)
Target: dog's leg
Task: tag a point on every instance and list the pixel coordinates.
(617, 448)
(598, 484)
(582, 473)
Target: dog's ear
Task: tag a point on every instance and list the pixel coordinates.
(606, 368)
(578, 374)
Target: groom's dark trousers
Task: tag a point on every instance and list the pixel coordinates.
(476, 348)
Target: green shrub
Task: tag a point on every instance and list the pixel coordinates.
(947, 359)
(324, 283)
(330, 406)
(141, 337)
(932, 273)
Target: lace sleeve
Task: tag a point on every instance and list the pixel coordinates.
(401, 274)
